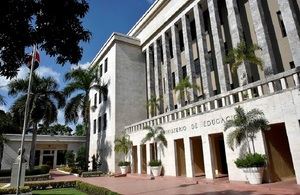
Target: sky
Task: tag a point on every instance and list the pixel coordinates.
(104, 18)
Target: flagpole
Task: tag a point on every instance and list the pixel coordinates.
(25, 119)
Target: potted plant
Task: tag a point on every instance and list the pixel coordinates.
(123, 145)
(157, 136)
(246, 125)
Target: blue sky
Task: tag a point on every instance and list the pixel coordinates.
(103, 18)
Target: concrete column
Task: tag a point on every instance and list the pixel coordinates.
(55, 159)
(236, 32)
(218, 45)
(203, 53)
(263, 38)
(148, 157)
(139, 159)
(150, 77)
(190, 67)
(177, 60)
(208, 163)
(292, 28)
(167, 73)
(157, 73)
(188, 157)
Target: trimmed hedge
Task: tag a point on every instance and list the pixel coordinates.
(25, 189)
(38, 170)
(93, 190)
(91, 174)
(50, 184)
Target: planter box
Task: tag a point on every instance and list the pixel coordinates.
(156, 171)
(254, 174)
(124, 169)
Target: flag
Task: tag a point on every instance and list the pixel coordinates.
(36, 60)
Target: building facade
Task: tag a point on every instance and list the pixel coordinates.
(190, 39)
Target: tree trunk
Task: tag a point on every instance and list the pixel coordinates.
(154, 148)
(87, 126)
(32, 149)
(253, 147)
(248, 144)
(1, 153)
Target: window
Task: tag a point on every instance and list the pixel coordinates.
(193, 30)
(210, 61)
(181, 43)
(184, 74)
(61, 160)
(105, 96)
(95, 99)
(175, 106)
(100, 70)
(206, 20)
(100, 98)
(161, 53)
(197, 66)
(173, 80)
(104, 122)
(292, 64)
(164, 85)
(99, 124)
(171, 48)
(95, 126)
(105, 65)
(281, 24)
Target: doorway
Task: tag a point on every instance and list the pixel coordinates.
(143, 159)
(197, 160)
(279, 155)
(180, 157)
(153, 151)
(48, 160)
(134, 159)
(219, 155)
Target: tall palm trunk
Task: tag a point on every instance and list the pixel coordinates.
(154, 148)
(1, 153)
(87, 126)
(32, 148)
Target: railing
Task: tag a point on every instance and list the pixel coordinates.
(265, 87)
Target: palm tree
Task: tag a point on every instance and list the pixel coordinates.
(243, 54)
(45, 100)
(183, 86)
(2, 101)
(80, 82)
(157, 135)
(153, 104)
(123, 145)
(246, 125)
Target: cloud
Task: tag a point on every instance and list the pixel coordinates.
(44, 71)
(4, 108)
(80, 65)
(4, 81)
(150, 1)
(61, 116)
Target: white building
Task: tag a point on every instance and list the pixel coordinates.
(175, 39)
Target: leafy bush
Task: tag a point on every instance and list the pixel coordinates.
(93, 190)
(38, 170)
(69, 169)
(25, 189)
(123, 163)
(91, 174)
(251, 160)
(80, 159)
(70, 158)
(155, 163)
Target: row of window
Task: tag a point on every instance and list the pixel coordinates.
(102, 123)
(101, 97)
(101, 68)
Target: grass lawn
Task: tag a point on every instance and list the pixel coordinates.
(65, 191)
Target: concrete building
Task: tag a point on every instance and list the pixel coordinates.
(178, 39)
(50, 150)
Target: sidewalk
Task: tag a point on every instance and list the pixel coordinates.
(140, 184)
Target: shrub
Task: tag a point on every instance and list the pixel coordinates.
(25, 189)
(251, 160)
(155, 163)
(70, 158)
(93, 190)
(123, 163)
(91, 174)
(69, 169)
(80, 159)
(38, 170)
(50, 184)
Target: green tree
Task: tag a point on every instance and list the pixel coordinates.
(55, 26)
(45, 100)
(246, 125)
(243, 54)
(56, 129)
(80, 130)
(157, 135)
(80, 158)
(183, 89)
(153, 104)
(80, 82)
(2, 101)
(123, 145)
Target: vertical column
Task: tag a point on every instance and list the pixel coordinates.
(190, 67)
(150, 79)
(218, 45)
(167, 72)
(263, 38)
(203, 53)
(208, 163)
(177, 59)
(55, 159)
(148, 157)
(157, 72)
(139, 159)
(188, 157)
(236, 32)
(292, 28)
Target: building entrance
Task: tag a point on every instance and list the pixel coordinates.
(48, 160)
(143, 159)
(197, 157)
(180, 158)
(218, 155)
(279, 155)
(134, 159)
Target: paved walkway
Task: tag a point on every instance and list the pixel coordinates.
(136, 184)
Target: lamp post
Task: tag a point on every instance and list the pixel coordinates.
(26, 117)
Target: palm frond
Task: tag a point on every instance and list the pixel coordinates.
(73, 107)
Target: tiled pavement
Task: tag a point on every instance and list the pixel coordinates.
(137, 184)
